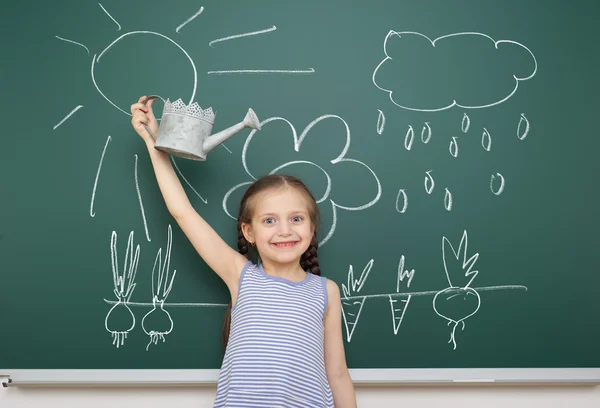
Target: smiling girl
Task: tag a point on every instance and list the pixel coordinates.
(282, 330)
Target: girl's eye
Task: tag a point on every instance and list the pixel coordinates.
(268, 220)
(297, 218)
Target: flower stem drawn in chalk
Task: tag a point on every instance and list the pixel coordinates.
(157, 323)
(353, 305)
(120, 320)
(457, 303)
(399, 311)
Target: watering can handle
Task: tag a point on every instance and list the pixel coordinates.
(147, 128)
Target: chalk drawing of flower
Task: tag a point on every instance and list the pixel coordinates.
(298, 140)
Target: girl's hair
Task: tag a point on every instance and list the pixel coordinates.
(308, 260)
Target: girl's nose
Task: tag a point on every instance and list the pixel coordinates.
(284, 230)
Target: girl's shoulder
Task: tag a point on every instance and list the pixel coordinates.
(332, 294)
(333, 289)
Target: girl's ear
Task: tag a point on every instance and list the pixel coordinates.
(247, 231)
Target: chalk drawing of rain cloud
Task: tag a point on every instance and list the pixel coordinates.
(279, 135)
(469, 70)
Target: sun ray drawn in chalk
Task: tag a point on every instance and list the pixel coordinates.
(231, 37)
(139, 195)
(92, 212)
(111, 17)
(196, 14)
(120, 320)
(73, 42)
(67, 117)
(263, 71)
(186, 180)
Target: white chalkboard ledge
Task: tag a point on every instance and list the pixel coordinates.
(450, 376)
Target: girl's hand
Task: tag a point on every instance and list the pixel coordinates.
(142, 114)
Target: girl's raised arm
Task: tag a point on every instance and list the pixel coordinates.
(218, 255)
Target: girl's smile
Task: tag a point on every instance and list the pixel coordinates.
(284, 244)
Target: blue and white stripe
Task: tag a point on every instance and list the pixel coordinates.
(275, 355)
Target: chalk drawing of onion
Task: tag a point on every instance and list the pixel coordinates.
(157, 323)
(120, 320)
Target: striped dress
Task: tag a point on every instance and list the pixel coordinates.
(275, 355)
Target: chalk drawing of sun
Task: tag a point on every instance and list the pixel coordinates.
(97, 58)
(139, 61)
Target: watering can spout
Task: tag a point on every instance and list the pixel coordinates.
(212, 141)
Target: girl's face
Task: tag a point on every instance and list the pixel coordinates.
(281, 227)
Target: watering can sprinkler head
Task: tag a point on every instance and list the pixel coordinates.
(186, 130)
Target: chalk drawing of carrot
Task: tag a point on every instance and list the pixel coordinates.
(399, 303)
(352, 305)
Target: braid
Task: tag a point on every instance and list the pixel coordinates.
(243, 249)
(242, 241)
(309, 261)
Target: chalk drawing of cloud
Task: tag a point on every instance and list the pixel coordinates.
(421, 74)
(330, 181)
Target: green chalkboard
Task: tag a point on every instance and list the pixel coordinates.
(450, 144)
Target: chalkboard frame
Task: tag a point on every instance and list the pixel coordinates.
(368, 377)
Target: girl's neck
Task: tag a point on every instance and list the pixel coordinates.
(287, 271)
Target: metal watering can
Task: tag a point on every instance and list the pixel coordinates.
(186, 131)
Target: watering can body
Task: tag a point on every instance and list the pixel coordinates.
(186, 131)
